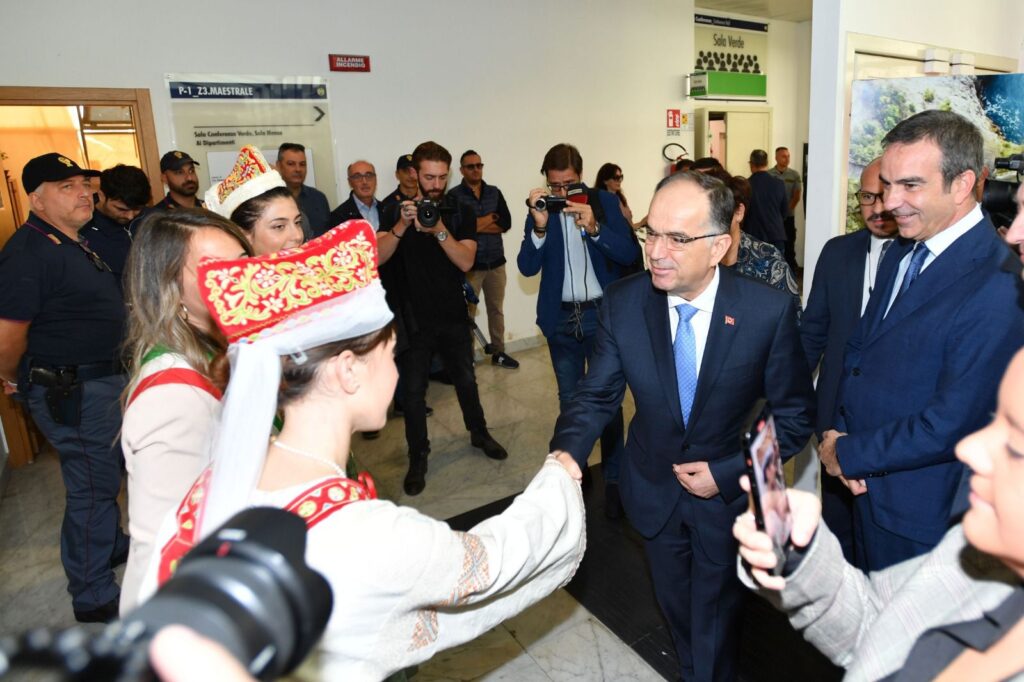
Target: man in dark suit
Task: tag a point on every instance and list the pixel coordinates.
(922, 368)
(699, 346)
(766, 219)
(362, 201)
(844, 277)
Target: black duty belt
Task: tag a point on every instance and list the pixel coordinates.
(86, 372)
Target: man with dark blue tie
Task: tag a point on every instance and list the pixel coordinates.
(698, 345)
(922, 368)
(844, 278)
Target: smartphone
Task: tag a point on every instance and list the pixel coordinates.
(768, 486)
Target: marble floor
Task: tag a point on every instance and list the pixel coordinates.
(557, 639)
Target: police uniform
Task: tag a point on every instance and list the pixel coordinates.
(110, 240)
(174, 160)
(71, 378)
(169, 204)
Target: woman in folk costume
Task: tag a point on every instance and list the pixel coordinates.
(172, 404)
(255, 197)
(310, 333)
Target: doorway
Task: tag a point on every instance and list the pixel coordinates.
(730, 134)
(98, 128)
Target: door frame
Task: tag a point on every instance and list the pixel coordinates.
(21, 444)
(136, 98)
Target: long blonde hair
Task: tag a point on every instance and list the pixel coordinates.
(153, 288)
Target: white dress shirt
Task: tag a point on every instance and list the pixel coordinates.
(876, 248)
(579, 282)
(936, 245)
(704, 302)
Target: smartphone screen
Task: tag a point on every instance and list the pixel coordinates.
(768, 486)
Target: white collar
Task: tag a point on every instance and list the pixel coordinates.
(704, 301)
(944, 239)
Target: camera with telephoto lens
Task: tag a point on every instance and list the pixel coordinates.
(246, 586)
(1000, 196)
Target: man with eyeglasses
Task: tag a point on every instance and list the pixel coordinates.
(699, 346)
(362, 201)
(844, 277)
(578, 252)
(61, 324)
(427, 271)
(488, 274)
(292, 165)
(922, 367)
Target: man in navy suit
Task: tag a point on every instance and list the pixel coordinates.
(922, 368)
(699, 346)
(844, 277)
(578, 252)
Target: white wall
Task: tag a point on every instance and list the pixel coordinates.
(990, 27)
(789, 73)
(508, 79)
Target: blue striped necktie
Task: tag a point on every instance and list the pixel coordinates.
(685, 350)
(916, 262)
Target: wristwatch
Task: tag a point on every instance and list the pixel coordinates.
(442, 235)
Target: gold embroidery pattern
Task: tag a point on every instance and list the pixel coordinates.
(475, 577)
(250, 164)
(251, 294)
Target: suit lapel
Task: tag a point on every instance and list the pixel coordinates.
(725, 321)
(942, 273)
(884, 283)
(656, 316)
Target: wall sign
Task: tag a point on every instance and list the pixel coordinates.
(214, 115)
(349, 62)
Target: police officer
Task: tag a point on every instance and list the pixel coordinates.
(178, 172)
(61, 324)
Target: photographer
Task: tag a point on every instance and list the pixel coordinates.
(579, 251)
(428, 247)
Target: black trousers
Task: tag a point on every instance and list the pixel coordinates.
(695, 583)
(454, 343)
(790, 252)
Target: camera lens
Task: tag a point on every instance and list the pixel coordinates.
(427, 213)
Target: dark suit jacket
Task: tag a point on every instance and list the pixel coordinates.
(347, 210)
(833, 311)
(925, 376)
(753, 351)
(768, 208)
(613, 250)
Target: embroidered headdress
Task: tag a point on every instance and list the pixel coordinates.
(251, 177)
(274, 305)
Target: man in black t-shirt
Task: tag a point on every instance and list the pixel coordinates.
(61, 325)
(427, 266)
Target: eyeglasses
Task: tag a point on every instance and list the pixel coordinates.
(673, 241)
(560, 186)
(616, 177)
(357, 177)
(868, 198)
(473, 166)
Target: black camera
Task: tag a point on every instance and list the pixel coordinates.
(1000, 196)
(246, 587)
(429, 212)
(551, 203)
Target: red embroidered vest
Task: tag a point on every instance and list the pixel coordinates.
(313, 506)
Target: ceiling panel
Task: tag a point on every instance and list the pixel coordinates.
(784, 10)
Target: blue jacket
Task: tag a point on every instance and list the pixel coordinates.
(753, 351)
(833, 311)
(612, 250)
(918, 380)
